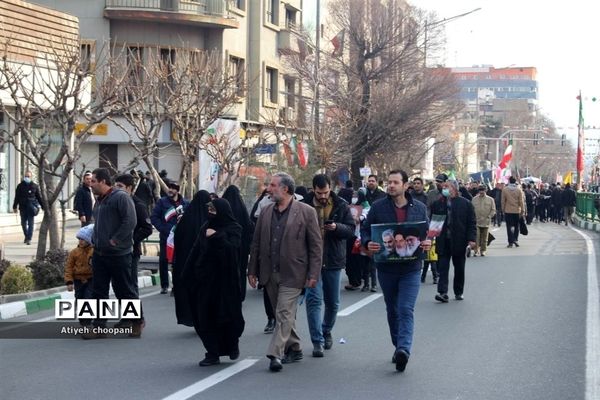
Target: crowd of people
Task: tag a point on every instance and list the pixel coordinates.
(294, 243)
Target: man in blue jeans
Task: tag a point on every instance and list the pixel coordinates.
(337, 226)
(27, 198)
(400, 282)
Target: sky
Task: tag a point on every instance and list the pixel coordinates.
(558, 38)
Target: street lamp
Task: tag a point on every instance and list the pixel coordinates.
(441, 22)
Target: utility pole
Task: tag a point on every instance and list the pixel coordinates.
(317, 106)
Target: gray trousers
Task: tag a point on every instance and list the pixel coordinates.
(285, 303)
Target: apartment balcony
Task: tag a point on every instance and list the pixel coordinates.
(288, 41)
(205, 13)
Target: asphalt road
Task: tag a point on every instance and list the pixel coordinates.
(520, 333)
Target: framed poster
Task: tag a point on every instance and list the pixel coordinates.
(400, 242)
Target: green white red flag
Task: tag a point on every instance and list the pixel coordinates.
(507, 156)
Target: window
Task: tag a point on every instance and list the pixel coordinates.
(290, 92)
(271, 85)
(87, 56)
(239, 4)
(237, 71)
(290, 18)
(272, 11)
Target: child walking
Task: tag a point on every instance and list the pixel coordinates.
(78, 269)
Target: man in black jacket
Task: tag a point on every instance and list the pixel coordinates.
(84, 200)
(337, 226)
(143, 227)
(373, 191)
(27, 198)
(568, 201)
(114, 223)
(458, 232)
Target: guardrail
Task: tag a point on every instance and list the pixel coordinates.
(205, 7)
(587, 206)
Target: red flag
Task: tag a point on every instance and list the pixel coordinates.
(338, 44)
(302, 154)
(507, 156)
(580, 141)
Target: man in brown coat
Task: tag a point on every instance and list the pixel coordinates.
(513, 207)
(286, 255)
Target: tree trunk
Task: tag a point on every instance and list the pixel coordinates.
(43, 235)
(356, 164)
(63, 228)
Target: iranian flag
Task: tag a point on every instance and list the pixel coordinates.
(580, 140)
(507, 156)
(302, 154)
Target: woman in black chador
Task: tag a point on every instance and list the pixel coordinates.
(187, 231)
(240, 213)
(212, 277)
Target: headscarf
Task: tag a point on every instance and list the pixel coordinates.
(224, 217)
(240, 212)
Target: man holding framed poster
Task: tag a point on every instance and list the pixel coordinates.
(399, 274)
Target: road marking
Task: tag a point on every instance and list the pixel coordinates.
(592, 356)
(212, 380)
(349, 310)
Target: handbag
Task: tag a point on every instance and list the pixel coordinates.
(34, 207)
(523, 227)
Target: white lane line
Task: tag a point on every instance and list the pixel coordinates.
(212, 380)
(52, 316)
(349, 310)
(592, 355)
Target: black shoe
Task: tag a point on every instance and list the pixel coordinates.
(209, 360)
(123, 324)
(435, 281)
(441, 297)
(328, 341)
(401, 359)
(509, 246)
(28, 242)
(373, 289)
(164, 291)
(351, 287)
(234, 354)
(422, 280)
(275, 365)
(292, 356)
(318, 350)
(365, 288)
(270, 327)
(516, 244)
(459, 297)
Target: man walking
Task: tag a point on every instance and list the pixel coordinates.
(29, 201)
(114, 222)
(373, 192)
(568, 201)
(434, 194)
(458, 232)
(286, 256)
(485, 208)
(165, 216)
(84, 200)
(513, 208)
(337, 226)
(400, 282)
(417, 192)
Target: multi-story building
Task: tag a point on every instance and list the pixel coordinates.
(26, 30)
(251, 35)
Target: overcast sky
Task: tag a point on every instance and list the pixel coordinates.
(558, 38)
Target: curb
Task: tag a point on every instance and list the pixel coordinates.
(591, 226)
(31, 305)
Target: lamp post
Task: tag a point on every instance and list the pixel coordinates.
(441, 22)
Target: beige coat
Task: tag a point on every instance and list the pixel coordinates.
(485, 208)
(512, 200)
(301, 247)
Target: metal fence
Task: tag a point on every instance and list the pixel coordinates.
(206, 7)
(588, 205)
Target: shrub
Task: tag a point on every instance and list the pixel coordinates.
(4, 264)
(49, 271)
(16, 279)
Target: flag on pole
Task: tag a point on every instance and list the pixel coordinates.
(507, 156)
(338, 43)
(580, 141)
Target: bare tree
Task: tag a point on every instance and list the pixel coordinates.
(392, 99)
(53, 111)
